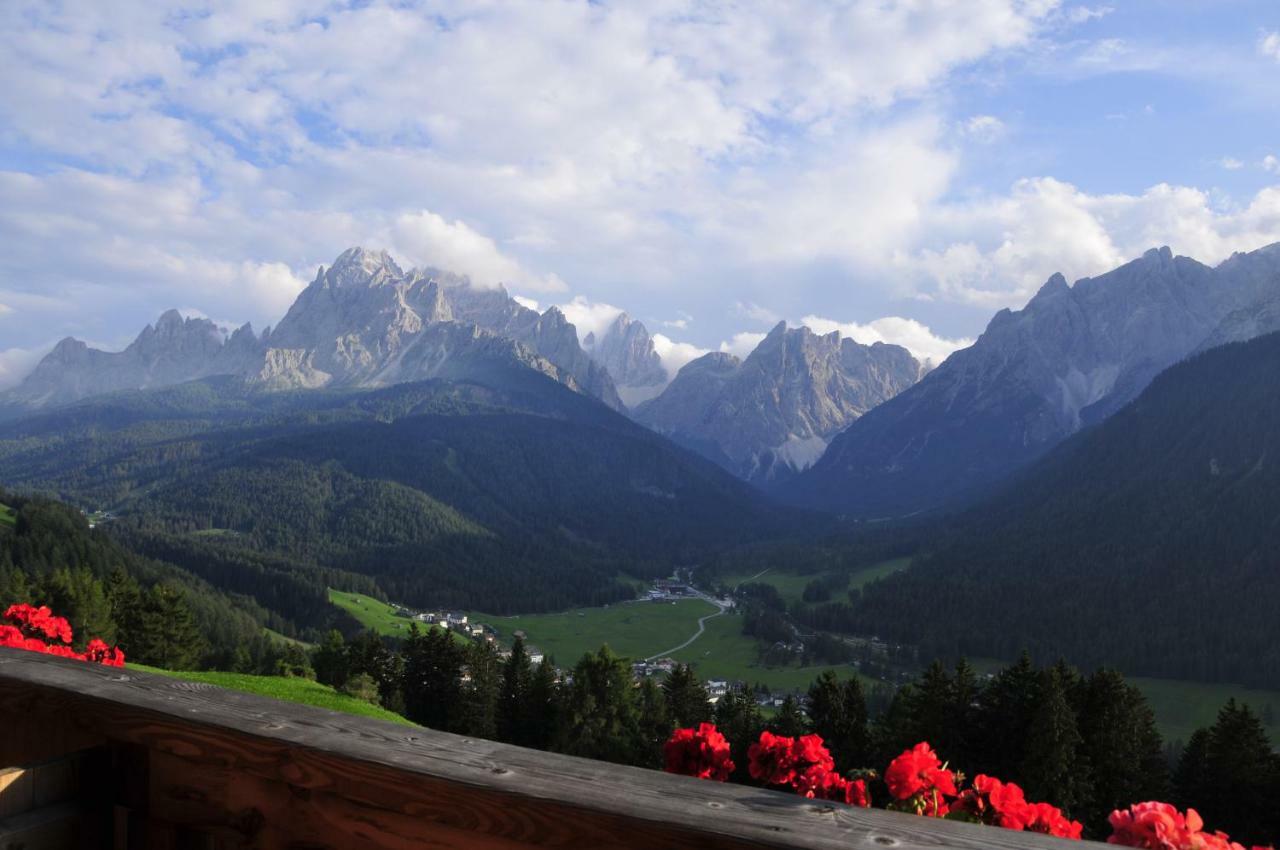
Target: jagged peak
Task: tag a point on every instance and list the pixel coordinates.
(1055, 285)
(778, 329)
(361, 265)
(69, 344)
(1160, 255)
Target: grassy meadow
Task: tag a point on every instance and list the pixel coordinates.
(303, 691)
(790, 586)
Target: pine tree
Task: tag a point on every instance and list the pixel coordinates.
(168, 636)
(1122, 746)
(790, 721)
(330, 660)
(838, 712)
(478, 709)
(82, 599)
(1007, 707)
(687, 700)
(431, 680)
(934, 703)
(541, 708)
(655, 724)
(513, 696)
(1052, 769)
(896, 728)
(739, 719)
(961, 738)
(1242, 777)
(1191, 780)
(600, 716)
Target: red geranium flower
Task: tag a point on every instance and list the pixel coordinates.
(920, 782)
(701, 752)
(772, 759)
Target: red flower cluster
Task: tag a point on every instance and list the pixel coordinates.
(804, 764)
(1003, 804)
(701, 752)
(38, 630)
(918, 781)
(1160, 826)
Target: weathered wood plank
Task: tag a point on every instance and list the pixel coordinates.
(50, 828)
(343, 781)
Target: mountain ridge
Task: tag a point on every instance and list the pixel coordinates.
(1071, 357)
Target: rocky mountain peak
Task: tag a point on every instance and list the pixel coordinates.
(361, 267)
(772, 414)
(625, 349)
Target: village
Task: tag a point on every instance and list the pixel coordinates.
(661, 591)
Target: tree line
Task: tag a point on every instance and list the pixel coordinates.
(1086, 743)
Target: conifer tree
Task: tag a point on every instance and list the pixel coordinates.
(431, 680)
(961, 738)
(739, 719)
(478, 708)
(838, 712)
(1006, 709)
(790, 721)
(655, 724)
(687, 700)
(1122, 746)
(600, 717)
(330, 659)
(513, 696)
(167, 633)
(541, 709)
(1242, 777)
(1052, 769)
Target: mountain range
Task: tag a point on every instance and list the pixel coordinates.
(768, 416)
(361, 323)
(1146, 542)
(1070, 358)
(822, 422)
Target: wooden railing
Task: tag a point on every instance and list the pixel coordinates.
(164, 763)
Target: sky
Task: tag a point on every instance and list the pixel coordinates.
(896, 171)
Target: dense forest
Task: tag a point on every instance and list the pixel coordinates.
(159, 614)
(511, 498)
(1147, 542)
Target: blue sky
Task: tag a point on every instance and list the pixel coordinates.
(896, 171)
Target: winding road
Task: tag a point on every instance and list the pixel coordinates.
(702, 627)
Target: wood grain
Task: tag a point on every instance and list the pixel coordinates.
(252, 772)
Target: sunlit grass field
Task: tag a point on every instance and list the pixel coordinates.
(303, 691)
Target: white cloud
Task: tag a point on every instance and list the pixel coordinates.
(680, 323)
(928, 347)
(428, 239)
(996, 252)
(1231, 163)
(527, 302)
(16, 363)
(1271, 163)
(1269, 45)
(753, 311)
(1084, 14)
(742, 344)
(984, 129)
(589, 317)
(674, 355)
(5, 308)
(641, 144)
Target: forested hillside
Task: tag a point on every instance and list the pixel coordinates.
(1148, 542)
(513, 495)
(157, 613)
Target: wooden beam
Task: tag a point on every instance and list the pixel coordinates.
(254, 772)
